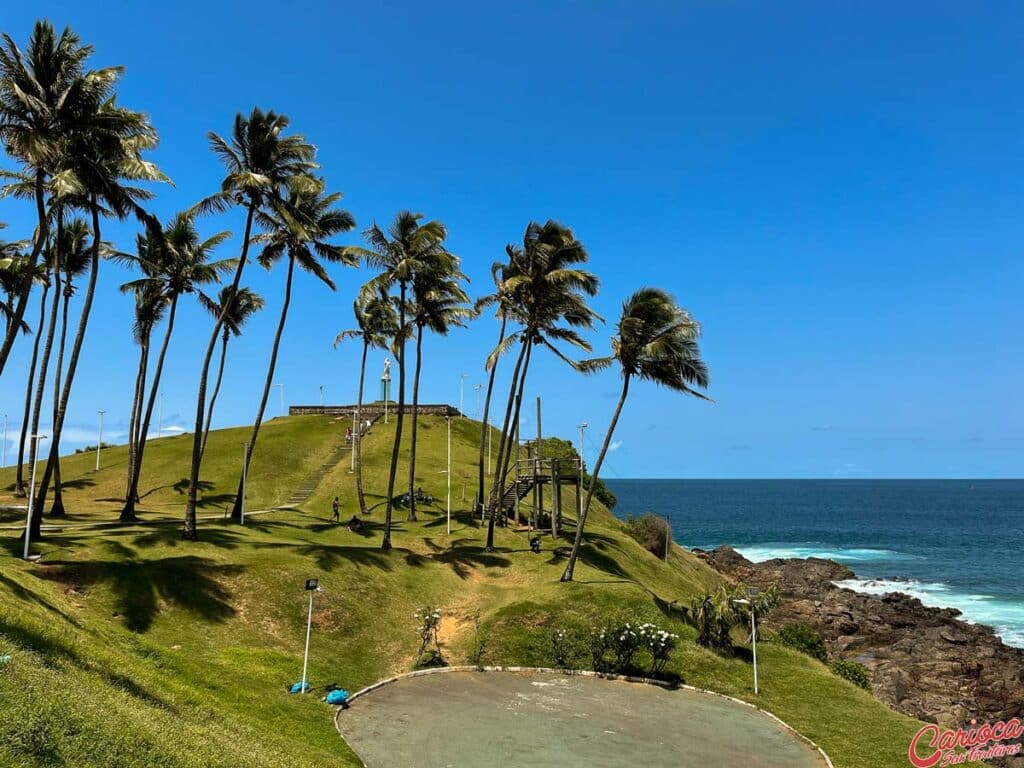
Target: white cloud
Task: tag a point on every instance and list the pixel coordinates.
(615, 445)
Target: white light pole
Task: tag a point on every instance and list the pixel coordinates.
(312, 585)
(752, 592)
(490, 431)
(281, 387)
(478, 387)
(582, 427)
(31, 492)
(462, 387)
(245, 478)
(355, 436)
(4, 462)
(99, 443)
(449, 420)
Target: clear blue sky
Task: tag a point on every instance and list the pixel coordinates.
(835, 193)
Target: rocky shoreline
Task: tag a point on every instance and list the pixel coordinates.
(924, 662)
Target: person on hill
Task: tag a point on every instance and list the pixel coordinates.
(336, 507)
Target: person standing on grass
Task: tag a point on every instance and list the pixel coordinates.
(336, 507)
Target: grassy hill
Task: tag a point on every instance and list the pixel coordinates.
(129, 647)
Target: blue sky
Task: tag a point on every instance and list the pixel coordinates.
(834, 192)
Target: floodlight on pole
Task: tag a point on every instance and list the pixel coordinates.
(99, 443)
(462, 387)
(582, 428)
(312, 585)
(281, 387)
(752, 593)
(4, 462)
(478, 387)
(32, 491)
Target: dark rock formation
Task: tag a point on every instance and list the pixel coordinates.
(924, 662)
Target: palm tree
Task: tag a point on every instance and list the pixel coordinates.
(101, 159)
(657, 342)
(546, 295)
(259, 161)
(41, 97)
(175, 262)
(150, 309)
(439, 303)
(13, 273)
(399, 254)
(299, 226)
(73, 247)
(239, 309)
(378, 325)
(499, 273)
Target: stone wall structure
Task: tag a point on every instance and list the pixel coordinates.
(372, 410)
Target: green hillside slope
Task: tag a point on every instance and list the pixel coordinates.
(131, 648)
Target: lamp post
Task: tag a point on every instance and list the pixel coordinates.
(752, 593)
(582, 427)
(31, 492)
(281, 387)
(462, 387)
(312, 585)
(4, 462)
(385, 386)
(321, 397)
(449, 473)
(478, 387)
(355, 436)
(245, 478)
(160, 416)
(99, 443)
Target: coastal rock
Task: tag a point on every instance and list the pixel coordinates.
(925, 662)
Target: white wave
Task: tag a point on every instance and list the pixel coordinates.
(1005, 617)
(759, 553)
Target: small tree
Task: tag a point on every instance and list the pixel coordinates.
(429, 619)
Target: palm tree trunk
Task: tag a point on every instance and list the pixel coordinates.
(514, 429)
(128, 513)
(57, 510)
(189, 531)
(358, 437)
(484, 429)
(37, 406)
(236, 510)
(492, 503)
(216, 389)
(386, 542)
(42, 232)
(19, 481)
(133, 420)
(415, 420)
(76, 351)
(567, 576)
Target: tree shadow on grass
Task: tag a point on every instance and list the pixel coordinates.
(330, 557)
(463, 559)
(49, 649)
(140, 586)
(77, 484)
(170, 536)
(23, 593)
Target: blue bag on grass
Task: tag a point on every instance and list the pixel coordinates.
(337, 696)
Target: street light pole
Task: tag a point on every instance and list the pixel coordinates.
(582, 427)
(31, 492)
(462, 387)
(99, 443)
(355, 436)
(478, 387)
(4, 462)
(312, 585)
(160, 416)
(281, 387)
(245, 478)
(449, 420)
(321, 397)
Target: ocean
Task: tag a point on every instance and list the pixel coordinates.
(950, 543)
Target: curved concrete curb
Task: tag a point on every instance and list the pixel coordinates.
(581, 673)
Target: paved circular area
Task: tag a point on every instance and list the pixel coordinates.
(536, 720)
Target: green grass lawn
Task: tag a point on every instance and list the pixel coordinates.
(132, 648)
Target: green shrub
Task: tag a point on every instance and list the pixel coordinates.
(651, 531)
(804, 639)
(852, 671)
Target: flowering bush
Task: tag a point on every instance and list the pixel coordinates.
(565, 648)
(620, 646)
(660, 644)
(429, 621)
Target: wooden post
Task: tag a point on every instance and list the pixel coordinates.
(556, 497)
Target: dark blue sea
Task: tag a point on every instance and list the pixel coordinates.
(951, 543)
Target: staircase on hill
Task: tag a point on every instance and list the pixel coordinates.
(309, 484)
(516, 491)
